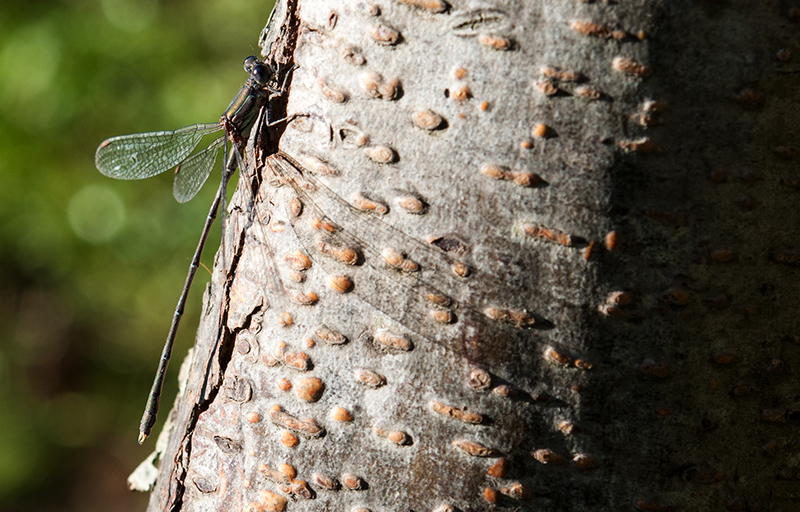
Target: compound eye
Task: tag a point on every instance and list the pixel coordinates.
(261, 73)
(251, 62)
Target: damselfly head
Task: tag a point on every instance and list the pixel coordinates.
(251, 62)
(258, 70)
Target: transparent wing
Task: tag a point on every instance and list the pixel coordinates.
(142, 155)
(193, 172)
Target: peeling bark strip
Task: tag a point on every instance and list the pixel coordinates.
(551, 235)
(464, 415)
(305, 427)
(475, 449)
(406, 306)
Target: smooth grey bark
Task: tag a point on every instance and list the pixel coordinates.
(524, 255)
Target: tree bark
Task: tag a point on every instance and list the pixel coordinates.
(529, 255)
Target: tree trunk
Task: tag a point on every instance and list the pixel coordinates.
(536, 255)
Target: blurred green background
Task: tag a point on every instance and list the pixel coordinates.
(90, 267)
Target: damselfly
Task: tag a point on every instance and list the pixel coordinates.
(142, 155)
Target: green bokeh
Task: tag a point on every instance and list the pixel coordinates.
(90, 267)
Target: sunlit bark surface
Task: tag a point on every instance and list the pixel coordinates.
(531, 255)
